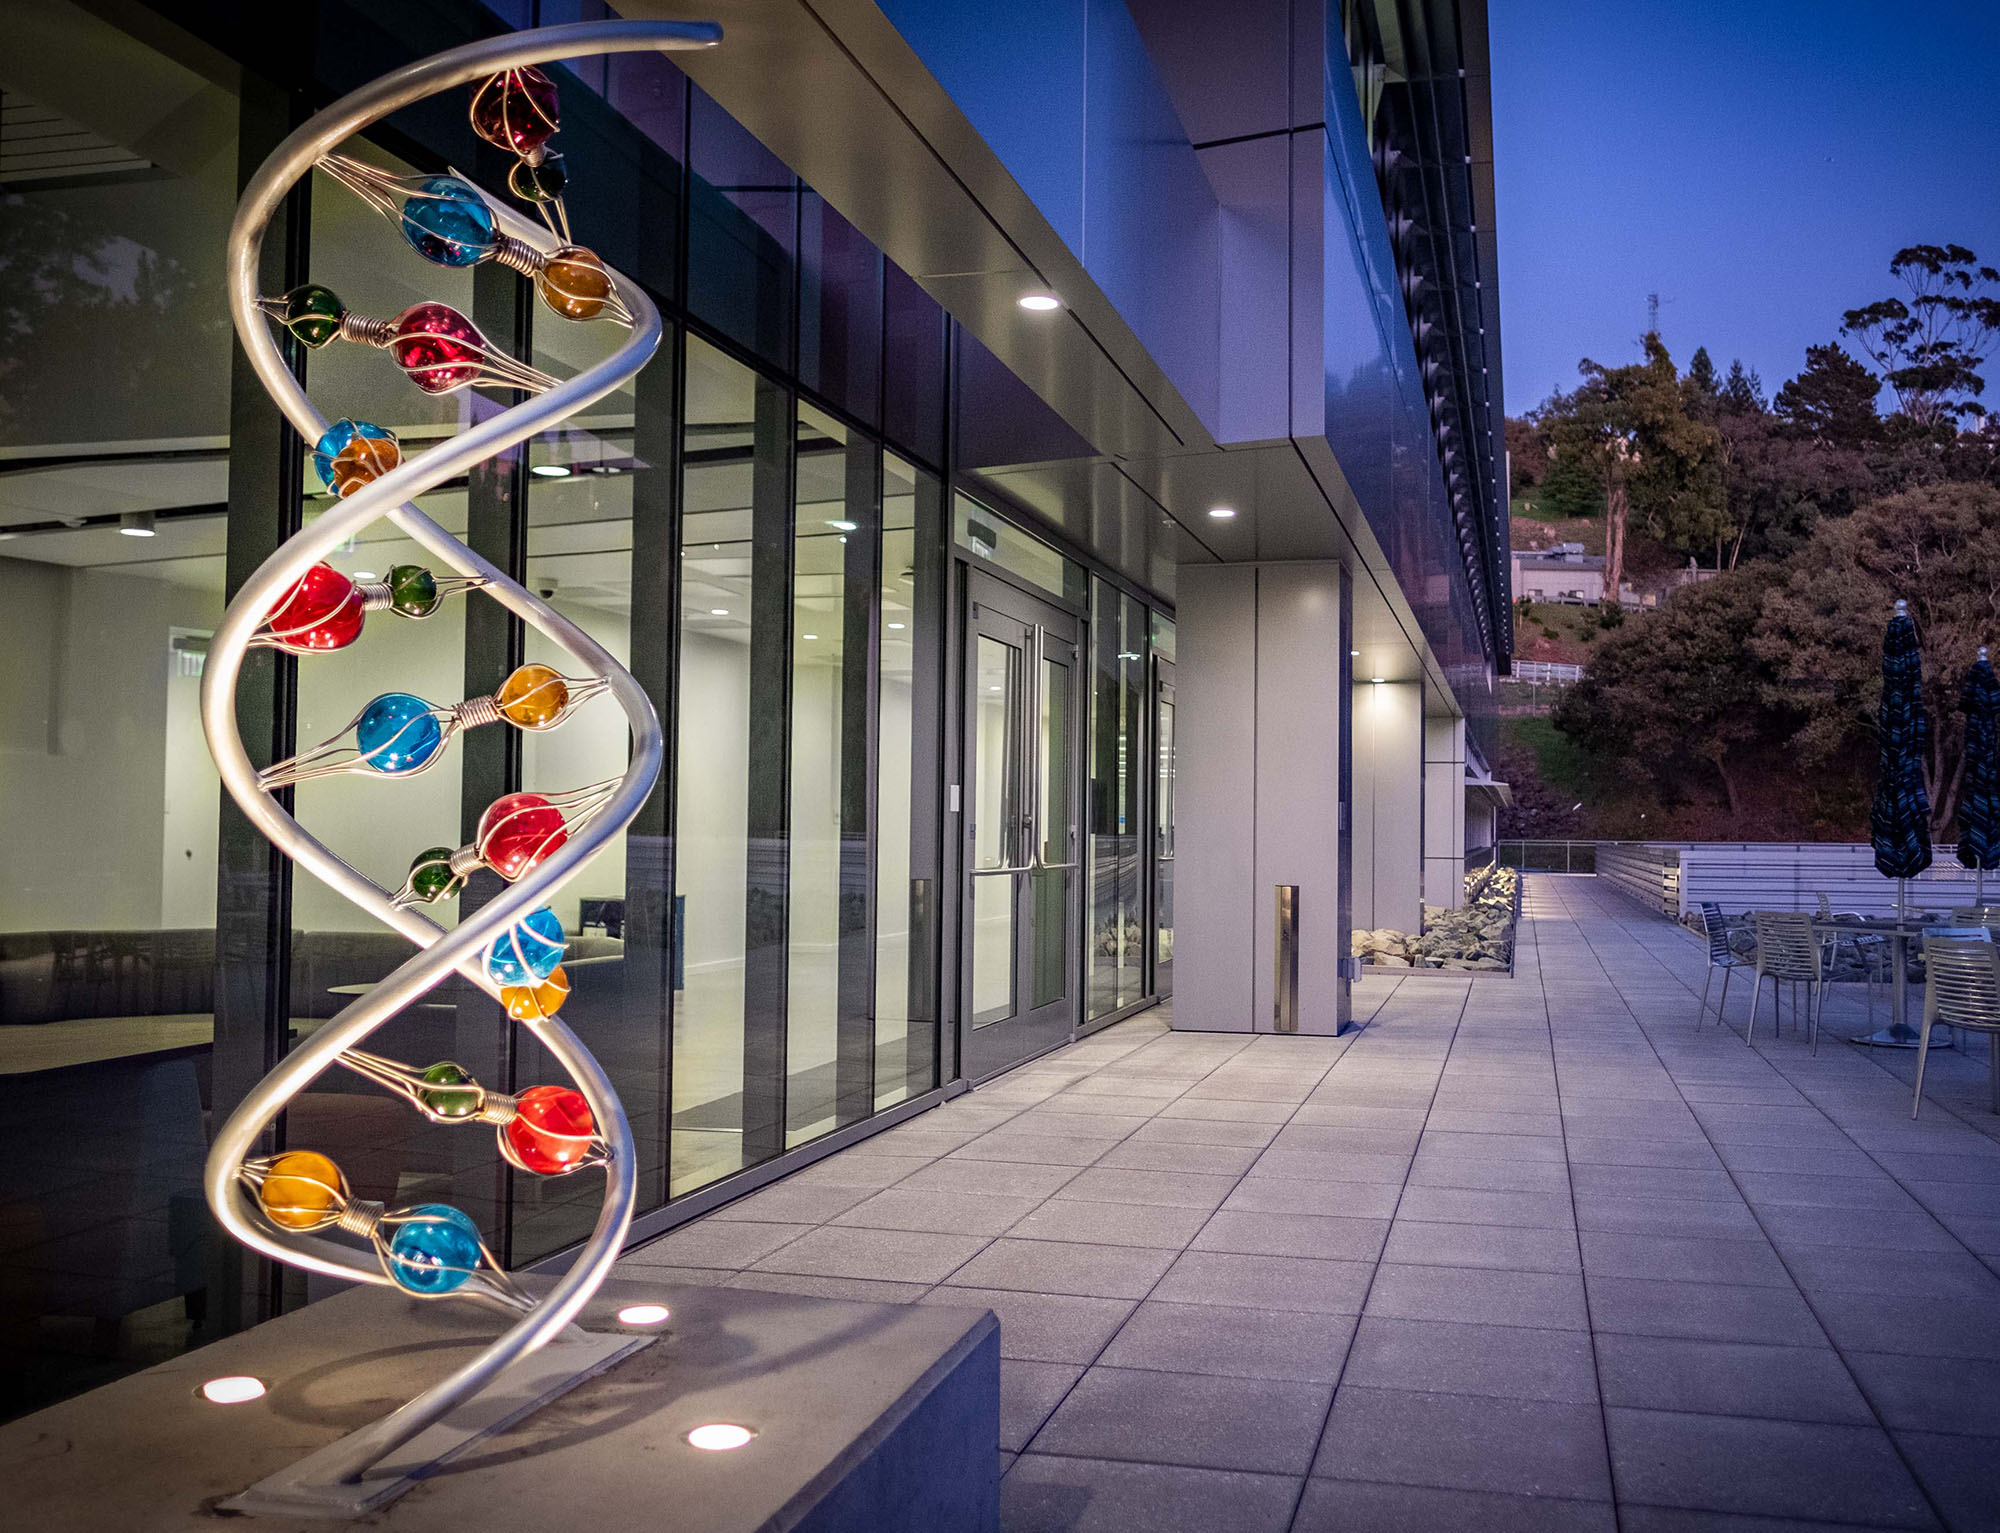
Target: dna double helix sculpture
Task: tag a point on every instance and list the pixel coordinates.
(287, 1206)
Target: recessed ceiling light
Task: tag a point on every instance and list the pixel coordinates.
(362, 575)
(718, 612)
(233, 1389)
(843, 526)
(643, 1314)
(719, 1436)
(551, 470)
(1355, 653)
(993, 689)
(1376, 681)
(1222, 513)
(1040, 303)
(809, 636)
(896, 625)
(136, 524)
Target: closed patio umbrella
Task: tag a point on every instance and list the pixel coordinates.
(1899, 820)
(1979, 788)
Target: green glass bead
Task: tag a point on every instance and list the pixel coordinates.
(312, 313)
(540, 182)
(450, 1104)
(431, 877)
(413, 590)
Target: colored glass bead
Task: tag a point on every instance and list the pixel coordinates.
(352, 453)
(529, 952)
(533, 697)
(438, 347)
(518, 831)
(537, 1003)
(446, 221)
(460, 1103)
(413, 590)
(540, 180)
(303, 1190)
(574, 283)
(517, 110)
(434, 1249)
(312, 313)
(322, 611)
(551, 1131)
(398, 733)
(431, 877)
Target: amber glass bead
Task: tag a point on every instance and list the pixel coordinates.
(533, 697)
(533, 1003)
(574, 283)
(413, 590)
(431, 877)
(516, 110)
(460, 1103)
(312, 313)
(540, 180)
(303, 1190)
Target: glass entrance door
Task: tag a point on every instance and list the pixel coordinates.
(1164, 767)
(1020, 827)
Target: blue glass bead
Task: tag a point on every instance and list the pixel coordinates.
(434, 1250)
(340, 436)
(446, 221)
(530, 951)
(398, 733)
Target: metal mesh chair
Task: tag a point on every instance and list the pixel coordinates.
(1976, 915)
(1961, 989)
(1788, 951)
(1721, 956)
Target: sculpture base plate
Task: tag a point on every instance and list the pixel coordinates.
(309, 1487)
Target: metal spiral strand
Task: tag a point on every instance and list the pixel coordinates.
(389, 497)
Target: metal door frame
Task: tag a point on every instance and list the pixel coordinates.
(1160, 979)
(1035, 1031)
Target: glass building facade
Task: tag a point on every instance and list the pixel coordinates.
(768, 526)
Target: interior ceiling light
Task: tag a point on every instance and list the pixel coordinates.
(1040, 303)
(551, 470)
(896, 625)
(362, 575)
(843, 526)
(643, 1314)
(136, 524)
(719, 1436)
(1222, 513)
(1376, 681)
(232, 1389)
(718, 612)
(811, 636)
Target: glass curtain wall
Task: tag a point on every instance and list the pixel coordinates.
(1115, 965)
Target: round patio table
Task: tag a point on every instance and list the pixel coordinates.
(1898, 931)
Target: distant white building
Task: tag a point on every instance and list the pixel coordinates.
(1564, 573)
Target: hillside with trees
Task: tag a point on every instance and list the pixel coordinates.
(1774, 533)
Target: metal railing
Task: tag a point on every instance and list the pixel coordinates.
(1547, 856)
(1546, 673)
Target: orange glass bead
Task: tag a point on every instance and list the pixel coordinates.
(574, 283)
(533, 697)
(535, 1003)
(303, 1190)
(361, 461)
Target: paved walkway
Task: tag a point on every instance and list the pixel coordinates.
(1526, 1254)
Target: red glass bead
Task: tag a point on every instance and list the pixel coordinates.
(322, 611)
(517, 832)
(516, 110)
(438, 347)
(552, 1129)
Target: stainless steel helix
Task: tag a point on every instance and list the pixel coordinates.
(439, 953)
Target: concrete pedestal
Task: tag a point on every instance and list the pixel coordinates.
(882, 1418)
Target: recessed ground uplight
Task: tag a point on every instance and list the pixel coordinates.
(643, 1314)
(232, 1390)
(719, 1436)
(1040, 303)
(1221, 513)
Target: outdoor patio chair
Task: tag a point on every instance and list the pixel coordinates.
(1961, 989)
(1976, 915)
(1721, 955)
(1788, 951)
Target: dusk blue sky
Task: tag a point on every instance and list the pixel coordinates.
(1754, 163)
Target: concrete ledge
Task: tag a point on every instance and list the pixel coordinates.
(875, 1417)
